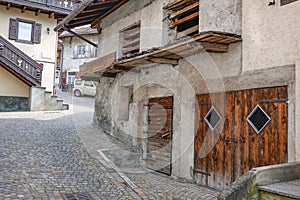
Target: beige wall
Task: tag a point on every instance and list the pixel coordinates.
(270, 34)
(45, 52)
(13, 86)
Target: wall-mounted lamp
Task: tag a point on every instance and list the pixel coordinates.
(48, 30)
(271, 3)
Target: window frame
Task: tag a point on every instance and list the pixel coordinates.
(32, 30)
(14, 29)
(131, 39)
(180, 16)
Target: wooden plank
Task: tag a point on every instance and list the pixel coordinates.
(98, 64)
(133, 34)
(238, 150)
(263, 137)
(193, 29)
(160, 135)
(128, 43)
(184, 10)
(184, 20)
(131, 49)
(246, 135)
(273, 131)
(282, 126)
(178, 4)
(163, 61)
(132, 26)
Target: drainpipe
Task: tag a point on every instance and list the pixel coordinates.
(61, 63)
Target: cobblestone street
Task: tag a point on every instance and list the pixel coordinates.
(53, 155)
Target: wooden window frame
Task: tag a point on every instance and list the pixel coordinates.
(285, 2)
(182, 14)
(131, 39)
(32, 31)
(36, 31)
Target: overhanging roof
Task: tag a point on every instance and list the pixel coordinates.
(90, 12)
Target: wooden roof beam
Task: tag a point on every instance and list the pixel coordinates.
(97, 21)
(162, 60)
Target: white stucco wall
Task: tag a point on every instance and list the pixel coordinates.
(45, 52)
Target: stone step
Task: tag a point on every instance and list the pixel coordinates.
(283, 190)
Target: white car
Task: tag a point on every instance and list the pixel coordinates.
(83, 87)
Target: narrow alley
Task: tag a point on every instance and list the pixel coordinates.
(55, 155)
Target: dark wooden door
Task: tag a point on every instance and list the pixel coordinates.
(160, 131)
(234, 147)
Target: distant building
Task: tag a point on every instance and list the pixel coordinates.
(75, 52)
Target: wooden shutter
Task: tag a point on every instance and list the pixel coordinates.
(37, 33)
(284, 2)
(13, 29)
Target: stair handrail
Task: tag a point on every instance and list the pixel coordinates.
(20, 60)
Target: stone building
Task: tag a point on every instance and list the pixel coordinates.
(207, 89)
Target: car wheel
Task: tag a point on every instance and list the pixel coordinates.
(77, 93)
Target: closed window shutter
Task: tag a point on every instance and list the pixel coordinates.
(283, 2)
(13, 29)
(37, 33)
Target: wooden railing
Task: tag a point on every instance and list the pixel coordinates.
(58, 3)
(19, 62)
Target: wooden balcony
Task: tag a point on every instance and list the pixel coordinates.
(20, 64)
(57, 8)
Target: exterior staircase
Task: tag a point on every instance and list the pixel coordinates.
(42, 100)
(29, 71)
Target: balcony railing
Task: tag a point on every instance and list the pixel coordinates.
(20, 63)
(60, 6)
(59, 3)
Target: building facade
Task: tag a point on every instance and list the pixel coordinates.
(207, 89)
(76, 52)
(29, 48)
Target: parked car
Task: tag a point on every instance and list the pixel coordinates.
(83, 87)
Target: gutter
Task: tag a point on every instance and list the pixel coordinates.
(73, 14)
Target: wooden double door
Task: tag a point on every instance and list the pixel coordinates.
(247, 129)
(160, 131)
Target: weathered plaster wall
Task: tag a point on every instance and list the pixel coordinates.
(69, 63)
(182, 82)
(221, 15)
(13, 86)
(270, 38)
(270, 34)
(45, 52)
(150, 13)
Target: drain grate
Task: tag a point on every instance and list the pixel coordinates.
(78, 196)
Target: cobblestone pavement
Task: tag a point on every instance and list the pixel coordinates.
(48, 155)
(42, 157)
